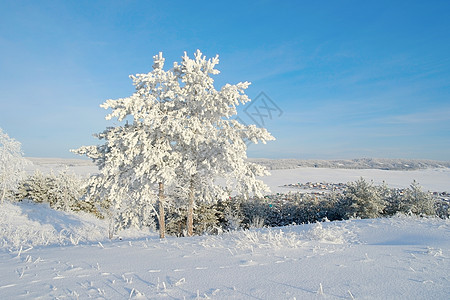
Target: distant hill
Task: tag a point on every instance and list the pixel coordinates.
(60, 161)
(47, 165)
(360, 163)
(273, 164)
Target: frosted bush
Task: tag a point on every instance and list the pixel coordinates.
(333, 235)
(257, 222)
(418, 202)
(12, 164)
(61, 191)
(364, 200)
(275, 239)
(233, 220)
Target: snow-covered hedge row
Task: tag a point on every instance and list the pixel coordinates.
(361, 199)
(62, 191)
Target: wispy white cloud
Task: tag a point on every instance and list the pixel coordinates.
(436, 115)
(265, 62)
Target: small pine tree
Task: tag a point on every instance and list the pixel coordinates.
(176, 217)
(364, 200)
(417, 202)
(231, 217)
(392, 198)
(35, 188)
(62, 191)
(66, 190)
(206, 219)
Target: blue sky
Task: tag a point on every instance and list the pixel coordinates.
(352, 78)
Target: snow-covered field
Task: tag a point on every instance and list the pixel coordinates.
(436, 180)
(433, 179)
(397, 258)
(82, 167)
(50, 254)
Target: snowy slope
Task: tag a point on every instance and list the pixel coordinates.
(29, 225)
(397, 258)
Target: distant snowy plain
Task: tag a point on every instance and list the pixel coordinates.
(433, 179)
(55, 255)
(436, 180)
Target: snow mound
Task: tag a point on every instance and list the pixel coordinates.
(292, 237)
(401, 257)
(27, 224)
(270, 239)
(333, 233)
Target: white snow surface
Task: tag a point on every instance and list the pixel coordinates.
(28, 224)
(436, 180)
(432, 179)
(53, 255)
(82, 167)
(50, 254)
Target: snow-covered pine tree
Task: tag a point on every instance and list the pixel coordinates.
(181, 131)
(12, 164)
(61, 191)
(364, 200)
(417, 201)
(65, 190)
(139, 155)
(34, 187)
(211, 144)
(391, 197)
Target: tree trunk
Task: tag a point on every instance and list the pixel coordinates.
(110, 224)
(3, 196)
(162, 222)
(190, 216)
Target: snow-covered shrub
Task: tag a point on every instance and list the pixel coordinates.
(329, 234)
(206, 219)
(333, 207)
(392, 198)
(66, 191)
(363, 200)
(442, 209)
(267, 239)
(230, 214)
(256, 222)
(251, 209)
(12, 164)
(134, 213)
(62, 191)
(417, 202)
(292, 208)
(35, 187)
(176, 221)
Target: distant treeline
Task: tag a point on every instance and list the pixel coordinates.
(288, 163)
(359, 163)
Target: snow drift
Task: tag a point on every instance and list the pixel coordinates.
(396, 258)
